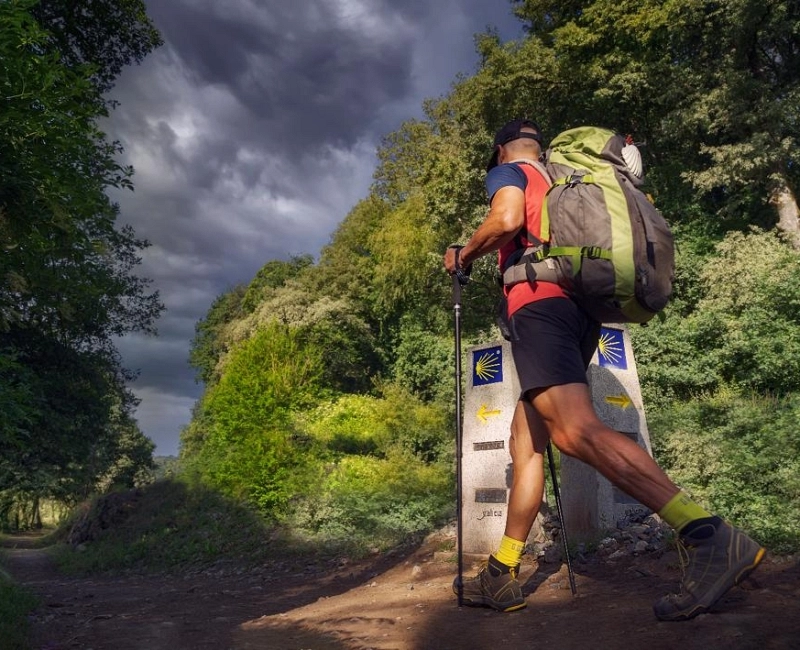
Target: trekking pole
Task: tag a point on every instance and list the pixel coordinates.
(457, 320)
(552, 464)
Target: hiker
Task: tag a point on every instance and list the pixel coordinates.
(553, 341)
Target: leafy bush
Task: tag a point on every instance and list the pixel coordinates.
(740, 457)
(367, 503)
(385, 471)
(247, 448)
(364, 424)
(348, 425)
(740, 328)
(425, 363)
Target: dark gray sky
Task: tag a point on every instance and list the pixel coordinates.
(253, 132)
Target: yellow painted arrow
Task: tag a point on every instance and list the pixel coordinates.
(484, 413)
(623, 401)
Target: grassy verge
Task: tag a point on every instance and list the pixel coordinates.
(175, 525)
(15, 604)
(167, 526)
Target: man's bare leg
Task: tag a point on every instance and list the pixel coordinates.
(496, 584)
(574, 428)
(528, 444)
(720, 556)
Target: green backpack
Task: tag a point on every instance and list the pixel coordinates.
(608, 246)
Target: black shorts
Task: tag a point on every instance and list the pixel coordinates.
(552, 341)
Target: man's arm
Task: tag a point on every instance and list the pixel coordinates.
(506, 216)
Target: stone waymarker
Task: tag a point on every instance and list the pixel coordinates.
(590, 503)
(492, 390)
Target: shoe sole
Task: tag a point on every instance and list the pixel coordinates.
(474, 602)
(720, 591)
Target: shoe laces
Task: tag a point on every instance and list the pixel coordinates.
(684, 560)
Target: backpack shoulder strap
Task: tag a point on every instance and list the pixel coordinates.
(524, 238)
(536, 165)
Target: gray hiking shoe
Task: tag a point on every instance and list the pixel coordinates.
(495, 586)
(715, 556)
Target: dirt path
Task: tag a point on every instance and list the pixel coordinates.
(399, 602)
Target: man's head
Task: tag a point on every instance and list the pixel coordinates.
(522, 132)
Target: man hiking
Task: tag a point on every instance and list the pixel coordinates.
(552, 341)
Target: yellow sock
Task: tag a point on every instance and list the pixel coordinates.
(680, 510)
(510, 551)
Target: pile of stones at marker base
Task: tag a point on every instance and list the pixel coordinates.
(637, 534)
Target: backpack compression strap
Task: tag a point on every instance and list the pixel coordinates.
(537, 262)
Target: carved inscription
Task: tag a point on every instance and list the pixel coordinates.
(490, 495)
(487, 446)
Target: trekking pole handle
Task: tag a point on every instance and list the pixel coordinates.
(456, 291)
(461, 273)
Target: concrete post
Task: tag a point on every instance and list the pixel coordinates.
(591, 503)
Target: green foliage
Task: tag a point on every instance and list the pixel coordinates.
(737, 323)
(740, 456)
(333, 325)
(247, 449)
(15, 604)
(273, 275)
(66, 269)
(69, 431)
(369, 503)
(209, 344)
(67, 282)
(380, 426)
(425, 363)
(384, 471)
(18, 405)
(349, 425)
(404, 262)
(710, 89)
(106, 35)
(346, 263)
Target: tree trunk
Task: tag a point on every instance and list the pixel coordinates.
(785, 202)
(37, 515)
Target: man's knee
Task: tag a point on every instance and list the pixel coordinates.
(578, 439)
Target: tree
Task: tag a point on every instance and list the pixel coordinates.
(741, 331)
(246, 448)
(67, 282)
(208, 344)
(106, 35)
(698, 83)
(273, 275)
(711, 87)
(66, 269)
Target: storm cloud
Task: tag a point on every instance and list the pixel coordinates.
(253, 131)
